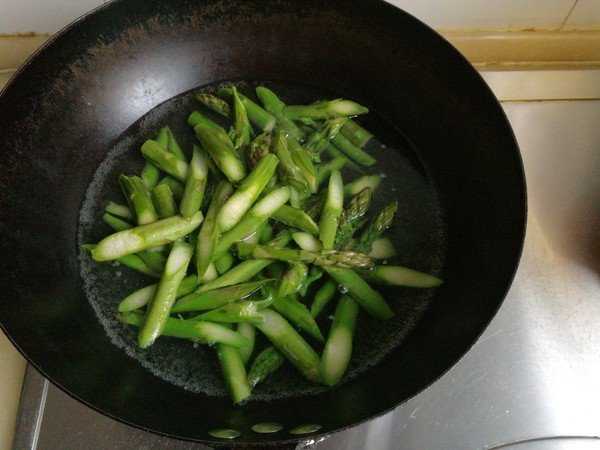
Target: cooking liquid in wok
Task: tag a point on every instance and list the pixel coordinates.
(417, 233)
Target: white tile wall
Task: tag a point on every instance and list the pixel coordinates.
(49, 16)
(586, 13)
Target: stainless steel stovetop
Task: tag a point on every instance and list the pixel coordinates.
(532, 380)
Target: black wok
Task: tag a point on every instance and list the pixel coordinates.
(449, 152)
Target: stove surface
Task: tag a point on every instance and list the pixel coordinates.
(531, 380)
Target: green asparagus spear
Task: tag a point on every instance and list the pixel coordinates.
(160, 306)
(241, 124)
(273, 104)
(136, 263)
(401, 276)
(234, 372)
(370, 181)
(195, 184)
(257, 115)
(289, 342)
(141, 297)
(296, 218)
(175, 185)
(324, 170)
(139, 199)
(307, 241)
(296, 313)
(367, 297)
(247, 193)
(303, 161)
(218, 144)
(352, 218)
(143, 237)
(246, 269)
(338, 348)
(209, 232)
(325, 110)
(292, 279)
(235, 312)
(214, 103)
(197, 331)
(215, 298)
(259, 213)
(173, 145)
(118, 210)
(323, 258)
(163, 200)
(116, 223)
(289, 173)
(332, 209)
(258, 147)
(249, 332)
(355, 153)
(322, 297)
(382, 222)
(164, 160)
(356, 133)
(265, 363)
(382, 248)
(319, 139)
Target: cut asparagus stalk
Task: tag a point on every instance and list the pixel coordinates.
(355, 153)
(116, 223)
(370, 181)
(214, 103)
(163, 200)
(338, 347)
(209, 232)
(332, 209)
(136, 263)
(234, 372)
(175, 185)
(258, 147)
(320, 138)
(356, 133)
(274, 106)
(289, 173)
(401, 276)
(299, 315)
(307, 241)
(262, 210)
(324, 170)
(200, 332)
(139, 199)
(377, 227)
(296, 218)
(159, 308)
(325, 110)
(322, 297)
(367, 297)
(164, 160)
(256, 114)
(249, 332)
(218, 144)
(141, 297)
(172, 145)
(352, 218)
(118, 210)
(323, 258)
(265, 363)
(236, 312)
(382, 248)
(195, 184)
(215, 298)
(143, 237)
(246, 194)
(303, 161)
(292, 280)
(289, 342)
(241, 124)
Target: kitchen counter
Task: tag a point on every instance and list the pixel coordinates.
(554, 114)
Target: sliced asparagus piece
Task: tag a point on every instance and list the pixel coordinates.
(338, 347)
(139, 199)
(159, 308)
(216, 298)
(234, 372)
(265, 363)
(164, 160)
(143, 237)
(325, 109)
(332, 209)
(401, 276)
(195, 184)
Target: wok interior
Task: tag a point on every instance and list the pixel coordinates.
(77, 98)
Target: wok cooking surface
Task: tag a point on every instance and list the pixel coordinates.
(530, 382)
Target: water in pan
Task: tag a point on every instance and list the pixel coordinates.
(418, 234)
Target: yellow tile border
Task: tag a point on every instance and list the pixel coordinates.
(491, 49)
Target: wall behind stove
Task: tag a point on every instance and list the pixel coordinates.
(49, 16)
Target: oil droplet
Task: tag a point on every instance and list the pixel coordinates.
(267, 427)
(225, 433)
(305, 429)
(342, 289)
